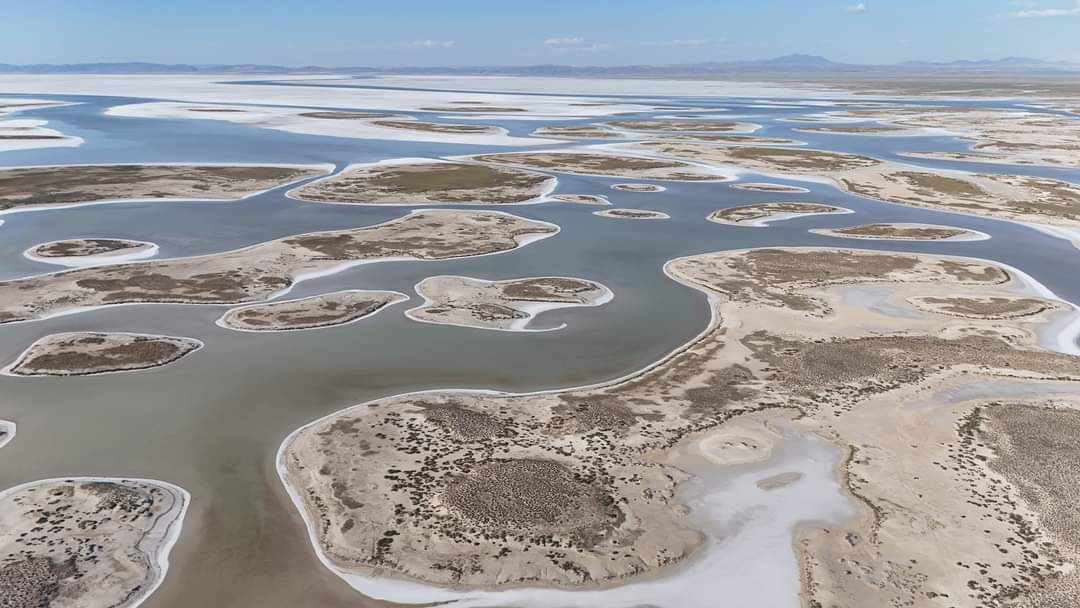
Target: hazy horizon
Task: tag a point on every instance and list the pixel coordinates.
(602, 33)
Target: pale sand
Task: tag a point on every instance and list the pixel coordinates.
(311, 312)
(504, 305)
(7, 432)
(638, 187)
(29, 134)
(138, 250)
(122, 558)
(767, 187)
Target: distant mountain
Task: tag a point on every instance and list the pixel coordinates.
(788, 64)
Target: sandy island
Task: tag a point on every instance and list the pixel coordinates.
(903, 232)
(92, 353)
(324, 310)
(582, 199)
(268, 269)
(91, 251)
(508, 305)
(632, 214)
(603, 164)
(84, 541)
(484, 490)
(761, 214)
(413, 181)
(767, 187)
(32, 187)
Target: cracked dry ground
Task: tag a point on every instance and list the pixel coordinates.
(570, 488)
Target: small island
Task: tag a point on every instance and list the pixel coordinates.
(760, 214)
(903, 232)
(769, 187)
(325, 310)
(508, 305)
(632, 214)
(582, 199)
(90, 353)
(422, 181)
(638, 187)
(78, 252)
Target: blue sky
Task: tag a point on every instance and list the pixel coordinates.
(579, 32)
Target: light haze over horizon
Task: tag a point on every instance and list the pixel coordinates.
(601, 32)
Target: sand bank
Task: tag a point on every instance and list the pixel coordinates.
(507, 305)
(632, 214)
(28, 134)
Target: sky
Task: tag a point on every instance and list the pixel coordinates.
(338, 33)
